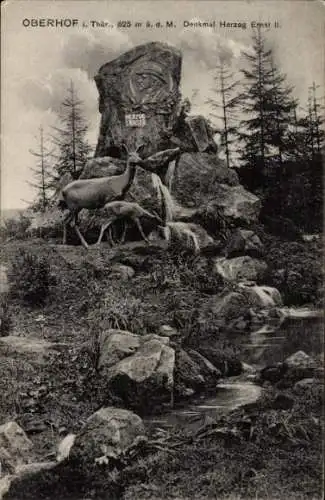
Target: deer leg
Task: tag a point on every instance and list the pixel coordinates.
(122, 240)
(67, 220)
(102, 231)
(82, 239)
(136, 220)
(64, 240)
(76, 228)
(110, 237)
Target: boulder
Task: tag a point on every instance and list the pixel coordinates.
(197, 177)
(115, 345)
(228, 364)
(122, 272)
(244, 242)
(187, 375)
(210, 373)
(143, 379)
(234, 204)
(273, 373)
(240, 268)
(204, 239)
(102, 167)
(7, 461)
(223, 308)
(305, 384)
(240, 324)
(201, 133)
(300, 360)
(262, 296)
(5, 483)
(299, 366)
(138, 94)
(15, 447)
(168, 331)
(238, 309)
(107, 435)
(188, 234)
(296, 367)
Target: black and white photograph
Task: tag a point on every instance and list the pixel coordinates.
(161, 250)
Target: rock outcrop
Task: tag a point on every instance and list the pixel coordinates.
(107, 435)
(140, 370)
(240, 268)
(139, 99)
(234, 204)
(197, 176)
(15, 447)
(244, 242)
(294, 368)
(261, 296)
(150, 372)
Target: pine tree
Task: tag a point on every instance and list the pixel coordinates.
(70, 138)
(282, 108)
(254, 127)
(269, 107)
(316, 121)
(227, 101)
(43, 174)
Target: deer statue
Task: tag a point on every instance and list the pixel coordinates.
(96, 193)
(116, 210)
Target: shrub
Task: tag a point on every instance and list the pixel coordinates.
(295, 269)
(30, 277)
(15, 227)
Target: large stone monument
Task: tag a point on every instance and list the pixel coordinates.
(139, 99)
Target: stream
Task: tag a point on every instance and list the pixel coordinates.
(301, 330)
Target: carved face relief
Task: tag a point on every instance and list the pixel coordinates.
(149, 82)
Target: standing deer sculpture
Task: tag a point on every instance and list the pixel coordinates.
(117, 210)
(96, 193)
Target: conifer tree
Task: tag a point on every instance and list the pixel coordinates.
(316, 122)
(43, 174)
(268, 105)
(70, 137)
(282, 108)
(227, 103)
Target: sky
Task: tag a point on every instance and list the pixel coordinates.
(38, 63)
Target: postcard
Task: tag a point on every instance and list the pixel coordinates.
(161, 283)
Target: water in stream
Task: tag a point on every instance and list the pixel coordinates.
(266, 345)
